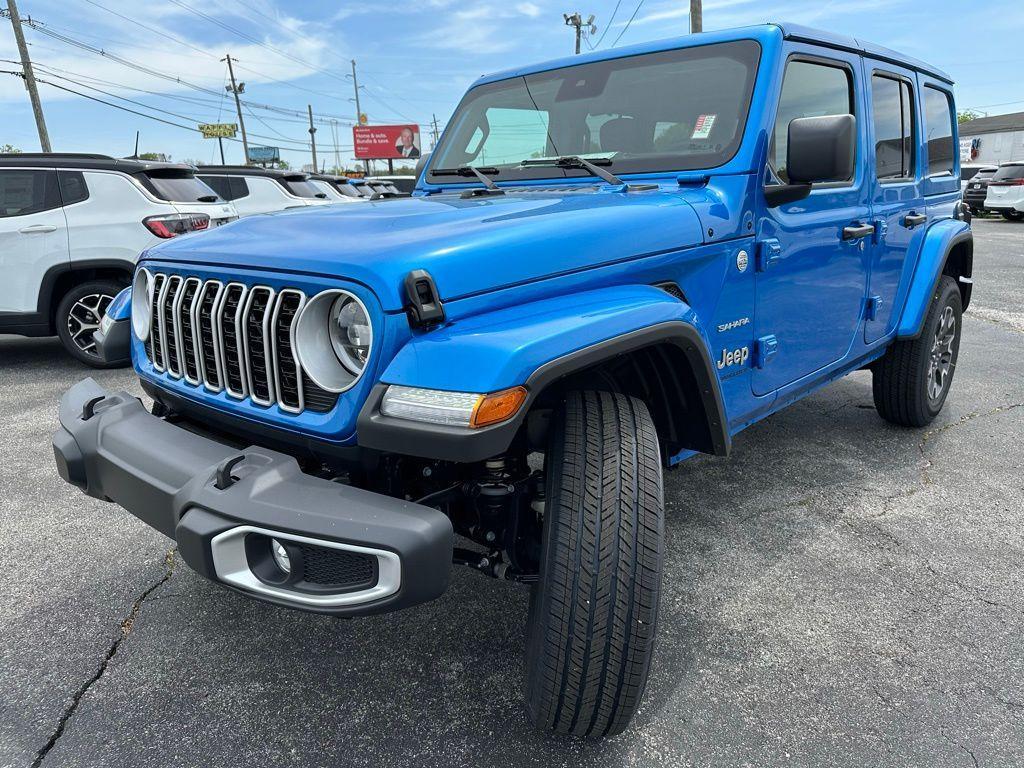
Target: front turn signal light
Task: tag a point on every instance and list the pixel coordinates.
(498, 406)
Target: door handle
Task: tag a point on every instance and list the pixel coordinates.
(33, 229)
(912, 220)
(857, 231)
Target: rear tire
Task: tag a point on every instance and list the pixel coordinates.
(78, 315)
(594, 609)
(1013, 215)
(912, 380)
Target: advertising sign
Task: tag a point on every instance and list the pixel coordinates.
(386, 142)
(264, 154)
(218, 130)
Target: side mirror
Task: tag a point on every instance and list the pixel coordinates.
(820, 149)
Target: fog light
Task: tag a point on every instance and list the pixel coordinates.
(280, 556)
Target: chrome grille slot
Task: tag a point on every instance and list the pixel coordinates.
(256, 343)
(167, 326)
(156, 347)
(206, 325)
(287, 372)
(229, 327)
(233, 338)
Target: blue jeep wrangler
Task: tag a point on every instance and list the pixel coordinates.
(611, 263)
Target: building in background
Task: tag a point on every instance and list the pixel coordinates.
(992, 140)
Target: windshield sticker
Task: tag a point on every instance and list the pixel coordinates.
(702, 129)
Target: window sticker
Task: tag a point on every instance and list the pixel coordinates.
(703, 126)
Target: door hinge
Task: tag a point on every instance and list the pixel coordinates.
(881, 230)
(765, 348)
(872, 307)
(768, 252)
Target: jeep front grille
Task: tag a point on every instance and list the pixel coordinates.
(232, 338)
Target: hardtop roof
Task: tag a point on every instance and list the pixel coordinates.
(760, 32)
(252, 170)
(86, 161)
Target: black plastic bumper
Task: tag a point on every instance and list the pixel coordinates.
(114, 346)
(194, 490)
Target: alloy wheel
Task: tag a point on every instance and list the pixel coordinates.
(940, 363)
(84, 318)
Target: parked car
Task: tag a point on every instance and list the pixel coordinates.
(400, 185)
(520, 352)
(262, 190)
(364, 189)
(1005, 192)
(977, 188)
(337, 188)
(71, 228)
(968, 172)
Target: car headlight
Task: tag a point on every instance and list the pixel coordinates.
(333, 339)
(452, 409)
(142, 304)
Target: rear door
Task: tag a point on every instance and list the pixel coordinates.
(33, 235)
(897, 202)
(810, 280)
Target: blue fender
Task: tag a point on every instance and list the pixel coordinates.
(535, 345)
(938, 242)
(121, 307)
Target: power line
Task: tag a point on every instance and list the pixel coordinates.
(608, 25)
(161, 32)
(635, 12)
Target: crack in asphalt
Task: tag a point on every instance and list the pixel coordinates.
(964, 747)
(126, 629)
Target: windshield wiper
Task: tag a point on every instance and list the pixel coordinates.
(469, 170)
(575, 161)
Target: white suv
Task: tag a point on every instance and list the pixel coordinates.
(1006, 191)
(262, 190)
(71, 229)
(339, 189)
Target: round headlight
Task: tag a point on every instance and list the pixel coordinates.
(350, 333)
(142, 304)
(333, 339)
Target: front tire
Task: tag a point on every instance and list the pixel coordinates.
(911, 381)
(594, 609)
(78, 315)
(1013, 215)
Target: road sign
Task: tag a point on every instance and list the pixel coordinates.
(218, 130)
(363, 119)
(264, 154)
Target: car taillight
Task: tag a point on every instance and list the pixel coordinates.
(174, 224)
(1007, 183)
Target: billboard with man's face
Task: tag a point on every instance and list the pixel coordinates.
(386, 142)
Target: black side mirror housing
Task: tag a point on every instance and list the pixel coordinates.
(820, 149)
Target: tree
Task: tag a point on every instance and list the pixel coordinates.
(966, 115)
(9, 149)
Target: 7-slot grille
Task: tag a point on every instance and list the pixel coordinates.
(232, 338)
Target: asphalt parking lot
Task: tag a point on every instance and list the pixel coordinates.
(837, 592)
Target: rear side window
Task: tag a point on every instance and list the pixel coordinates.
(347, 190)
(1009, 173)
(25, 191)
(181, 189)
(892, 104)
(810, 89)
(73, 188)
(938, 125)
(227, 187)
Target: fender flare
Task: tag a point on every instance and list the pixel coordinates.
(44, 303)
(654, 317)
(940, 240)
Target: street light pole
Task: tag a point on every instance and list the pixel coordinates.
(238, 106)
(30, 77)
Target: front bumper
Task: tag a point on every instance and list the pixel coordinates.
(216, 500)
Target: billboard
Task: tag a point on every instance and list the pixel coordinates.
(386, 142)
(264, 154)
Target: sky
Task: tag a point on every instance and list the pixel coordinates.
(414, 60)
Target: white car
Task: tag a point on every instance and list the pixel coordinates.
(71, 229)
(255, 190)
(338, 189)
(1006, 192)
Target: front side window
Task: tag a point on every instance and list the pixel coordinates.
(25, 191)
(667, 111)
(810, 89)
(938, 125)
(892, 105)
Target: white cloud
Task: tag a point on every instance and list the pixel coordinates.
(529, 9)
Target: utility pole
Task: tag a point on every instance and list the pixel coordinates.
(696, 16)
(359, 112)
(337, 152)
(236, 89)
(437, 135)
(575, 20)
(29, 75)
(312, 135)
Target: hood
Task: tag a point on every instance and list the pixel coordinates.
(469, 245)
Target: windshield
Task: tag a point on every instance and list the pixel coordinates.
(667, 111)
(182, 189)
